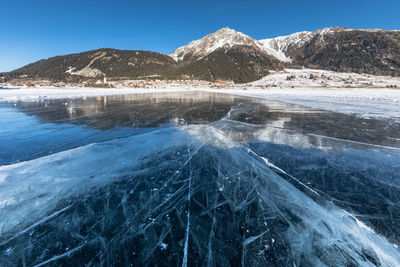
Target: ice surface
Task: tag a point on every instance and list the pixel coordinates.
(368, 103)
(217, 181)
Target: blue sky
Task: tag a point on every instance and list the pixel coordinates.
(34, 29)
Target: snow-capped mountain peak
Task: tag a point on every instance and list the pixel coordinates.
(223, 38)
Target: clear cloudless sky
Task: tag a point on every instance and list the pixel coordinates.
(35, 29)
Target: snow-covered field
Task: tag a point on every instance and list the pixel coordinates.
(312, 78)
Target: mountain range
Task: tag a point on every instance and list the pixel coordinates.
(230, 55)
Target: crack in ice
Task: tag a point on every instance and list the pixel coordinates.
(66, 254)
(36, 224)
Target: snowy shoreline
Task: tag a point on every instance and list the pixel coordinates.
(365, 102)
(43, 93)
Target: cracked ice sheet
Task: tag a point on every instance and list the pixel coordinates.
(101, 225)
(137, 200)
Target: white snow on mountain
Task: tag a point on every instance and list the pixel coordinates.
(278, 46)
(88, 71)
(227, 38)
(223, 38)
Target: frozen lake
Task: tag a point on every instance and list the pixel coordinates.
(194, 179)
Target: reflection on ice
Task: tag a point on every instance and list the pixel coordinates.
(215, 182)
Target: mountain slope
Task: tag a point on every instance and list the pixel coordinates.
(98, 63)
(225, 54)
(238, 63)
(341, 49)
(279, 46)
